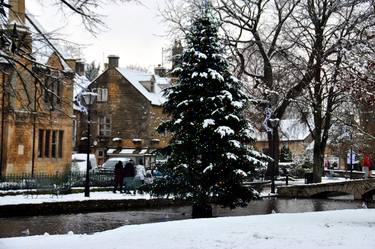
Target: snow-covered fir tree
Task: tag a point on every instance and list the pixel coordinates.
(208, 156)
(285, 154)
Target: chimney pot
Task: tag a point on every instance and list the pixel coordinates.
(160, 71)
(80, 68)
(113, 61)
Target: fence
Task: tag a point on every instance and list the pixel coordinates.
(51, 181)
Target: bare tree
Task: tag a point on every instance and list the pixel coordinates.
(92, 71)
(327, 30)
(286, 49)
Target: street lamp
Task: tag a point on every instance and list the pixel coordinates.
(89, 98)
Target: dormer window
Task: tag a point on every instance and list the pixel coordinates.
(102, 95)
(149, 84)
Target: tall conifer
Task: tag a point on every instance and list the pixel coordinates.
(208, 156)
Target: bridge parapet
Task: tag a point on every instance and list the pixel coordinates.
(358, 188)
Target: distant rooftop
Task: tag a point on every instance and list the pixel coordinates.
(290, 130)
(136, 77)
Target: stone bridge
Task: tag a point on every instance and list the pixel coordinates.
(360, 189)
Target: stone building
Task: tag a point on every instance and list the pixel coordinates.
(126, 113)
(294, 134)
(36, 107)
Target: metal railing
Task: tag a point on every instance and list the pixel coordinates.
(42, 181)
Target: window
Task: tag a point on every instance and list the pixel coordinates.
(101, 155)
(102, 95)
(104, 126)
(50, 143)
(52, 92)
(47, 143)
(54, 145)
(61, 139)
(40, 143)
(74, 133)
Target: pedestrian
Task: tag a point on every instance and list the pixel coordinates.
(129, 173)
(118, 176)
(140, 174)
(334, 165)
(327, 165)
(366, 165)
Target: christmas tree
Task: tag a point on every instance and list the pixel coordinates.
(285, 154)
(208, 156)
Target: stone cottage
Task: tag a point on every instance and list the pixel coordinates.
(126, 113)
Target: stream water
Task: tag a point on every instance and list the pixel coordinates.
(95, 222)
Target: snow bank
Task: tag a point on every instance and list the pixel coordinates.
(332, 229)
(37, 199)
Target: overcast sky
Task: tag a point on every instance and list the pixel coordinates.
(134, 32)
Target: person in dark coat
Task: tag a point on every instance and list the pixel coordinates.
(129, 173)
(118, 176)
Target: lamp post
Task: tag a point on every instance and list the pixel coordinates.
(89, 98)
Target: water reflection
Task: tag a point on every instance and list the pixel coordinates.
(96, 222)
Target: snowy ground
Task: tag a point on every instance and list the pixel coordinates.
(332, 229)
(37, 199)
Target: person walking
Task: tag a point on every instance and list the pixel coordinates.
(139, 178)
(129, 173)
(366, 165)
(118, 176)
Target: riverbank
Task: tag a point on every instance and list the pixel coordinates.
(331, 229)
(25, 205)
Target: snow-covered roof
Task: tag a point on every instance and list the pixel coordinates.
(136, 77)
(294, 129)
(290, 130)
(80, 84)
(127, 151)
(110, 151)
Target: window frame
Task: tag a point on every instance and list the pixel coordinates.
(102, 94)
(104, 126)
(50, 144)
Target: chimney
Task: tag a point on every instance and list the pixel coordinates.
(17, 12)
(76, 65)
(72, 63)
(177, 51)
(80, 68)
(160, 71)
(113, 61)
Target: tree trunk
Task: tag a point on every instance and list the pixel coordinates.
(318, 163)
(201, 210)
(273, 145)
